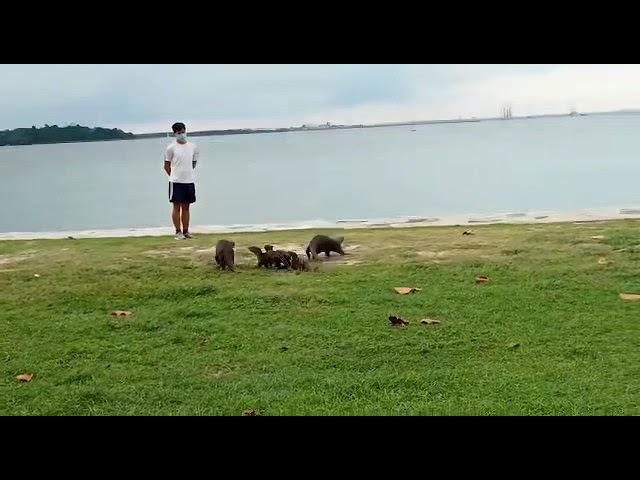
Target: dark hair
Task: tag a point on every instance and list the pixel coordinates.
(176, 127)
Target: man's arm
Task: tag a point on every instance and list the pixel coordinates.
(196, 155)
(168, 156)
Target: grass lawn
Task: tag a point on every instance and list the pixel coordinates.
(201, 342)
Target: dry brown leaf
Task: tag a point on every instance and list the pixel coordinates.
(406, 290)
(630, 296)
(430, 321)
(482, 279)
(25, 377)
(120, 313)
(397, 321)
(249, 413)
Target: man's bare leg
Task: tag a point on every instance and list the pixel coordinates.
(184, 211)
(175, 216)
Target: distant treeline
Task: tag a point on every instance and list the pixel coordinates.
(76, 133)
(208, 133)
(55, 134)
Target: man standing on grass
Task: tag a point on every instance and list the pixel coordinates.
(180, 161)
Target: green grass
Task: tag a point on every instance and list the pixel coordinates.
(201, 342)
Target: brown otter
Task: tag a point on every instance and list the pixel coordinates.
(291, 259)
(294, 261)
(282, 259)
(269, 258)
(302, 263)
(263, 261)
(322, 243)
(225, 257)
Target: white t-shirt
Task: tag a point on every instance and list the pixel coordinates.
(181, 156)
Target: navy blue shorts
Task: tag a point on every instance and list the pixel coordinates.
(182, 192)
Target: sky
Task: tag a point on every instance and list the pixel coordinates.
(149, 98)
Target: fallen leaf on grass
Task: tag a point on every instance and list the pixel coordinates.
(25, 377)
(429, 321)
(630, 296)
(120, 313)
(249, 413)
(406, 290)
(397, 321)
(482, 279)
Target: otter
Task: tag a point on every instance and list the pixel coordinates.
(269, 258)
(322, 243)
(302, 262)
(225, 257)
(263, 261)
(294, 261)
(291, 259)
(281, 259)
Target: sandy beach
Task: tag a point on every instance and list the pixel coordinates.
(541, 217)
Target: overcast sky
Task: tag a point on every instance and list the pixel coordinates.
(149, 98)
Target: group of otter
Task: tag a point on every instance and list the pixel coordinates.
(280, 259)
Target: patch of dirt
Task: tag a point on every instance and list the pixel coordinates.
(180, 252)
(21, 257)
(218, 371)
(337, 259)
(157, 252)
(349, 262)
(332, 263)
(429, 254)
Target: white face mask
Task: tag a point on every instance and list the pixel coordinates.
(181, 137)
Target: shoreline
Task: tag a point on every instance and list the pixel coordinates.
(468, 220)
